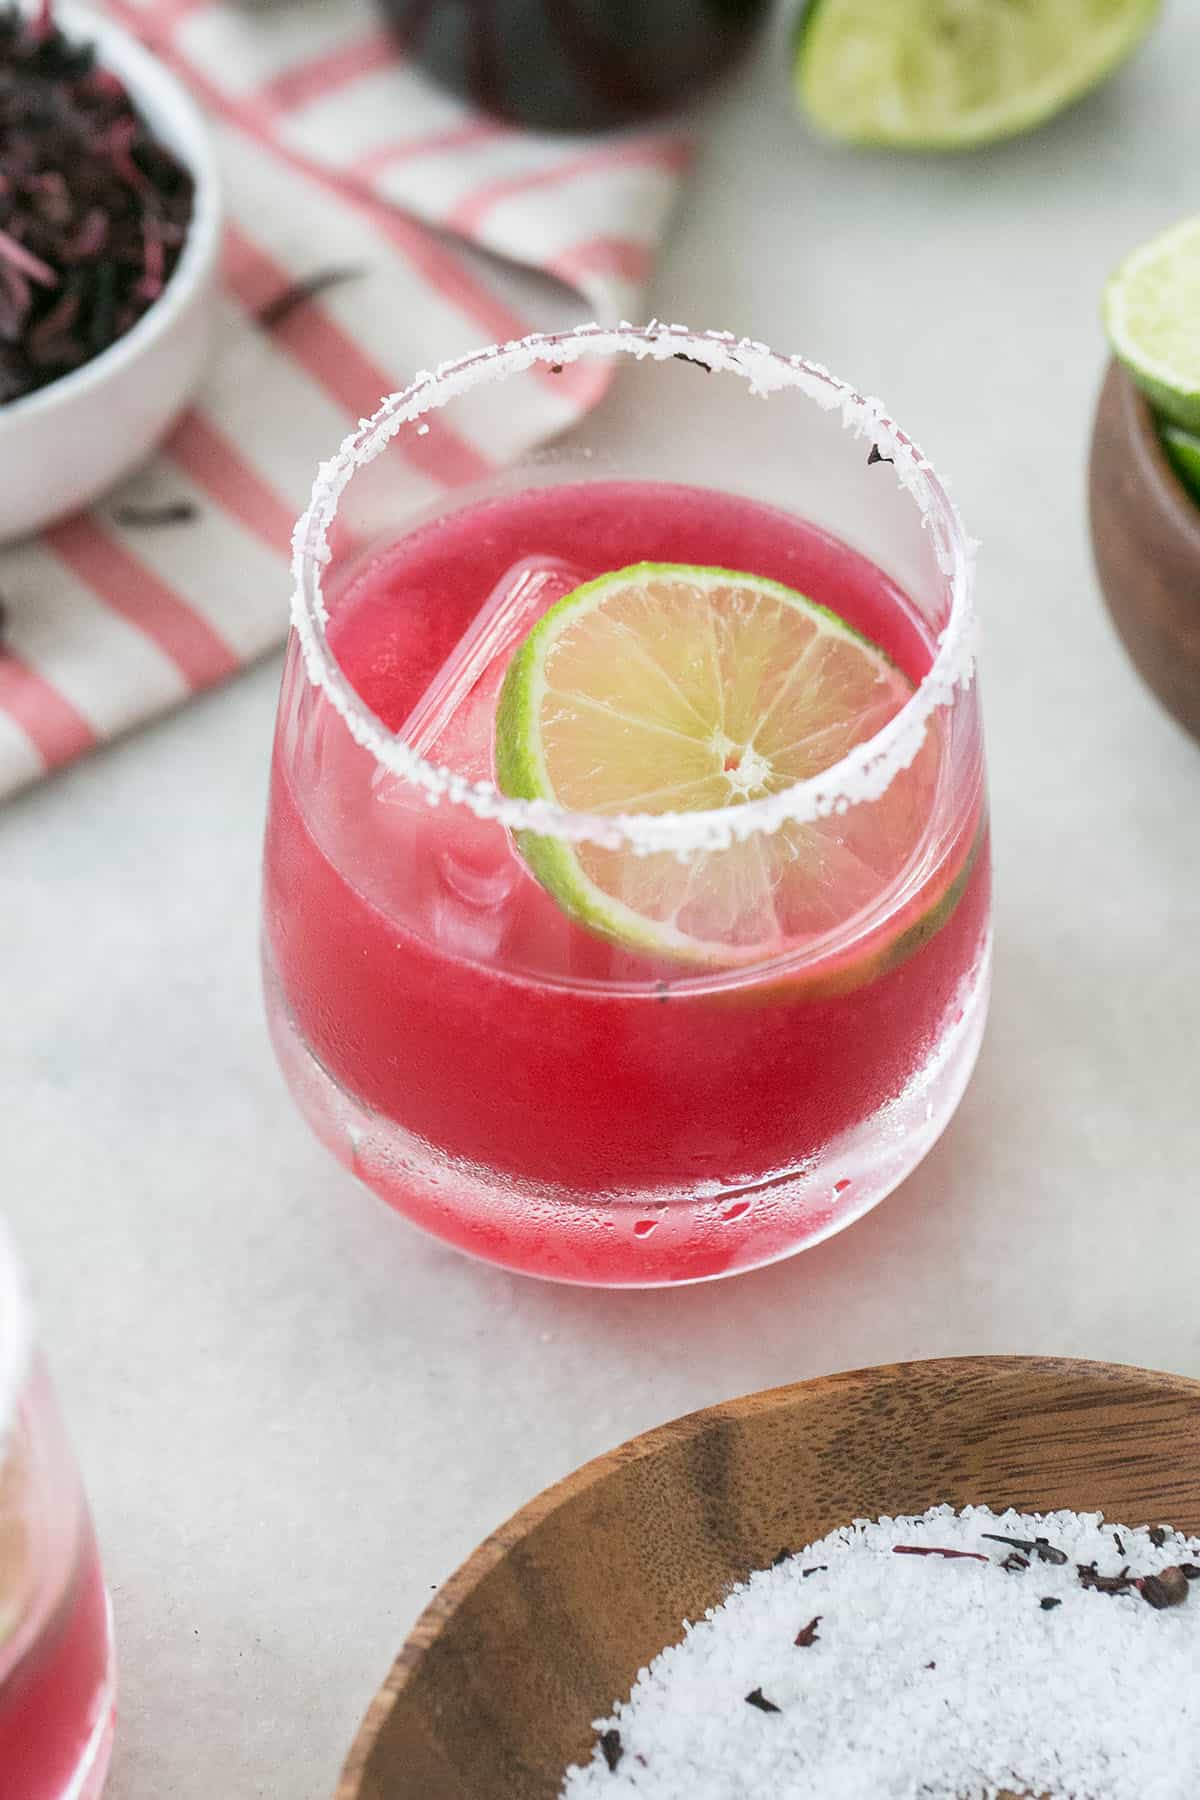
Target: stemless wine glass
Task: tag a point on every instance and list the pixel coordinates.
(57, 1679)
(623, 1027)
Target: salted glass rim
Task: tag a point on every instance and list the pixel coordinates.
(16, 1330)
(863, 774)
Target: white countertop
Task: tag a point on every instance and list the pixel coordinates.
(295, 1414)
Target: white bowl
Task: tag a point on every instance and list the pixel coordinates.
(67, 443)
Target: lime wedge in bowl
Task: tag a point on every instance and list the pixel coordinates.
(953, 74)
(665, 688)
(1183, 450)
(1152, 316)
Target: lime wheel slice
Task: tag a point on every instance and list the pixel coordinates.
(664, 688)
(16, 1551)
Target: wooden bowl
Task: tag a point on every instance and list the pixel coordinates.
(1146, 539)
(550, 1620)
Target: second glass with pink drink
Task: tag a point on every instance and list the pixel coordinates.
(57, 1668)
(627, 881)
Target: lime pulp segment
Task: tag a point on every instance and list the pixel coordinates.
(665, 688)
(1152, 315)
(951, 74)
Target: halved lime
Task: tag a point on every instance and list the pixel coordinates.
(664, 688)
(1152, 315)
(952, 74)
(1183, 448)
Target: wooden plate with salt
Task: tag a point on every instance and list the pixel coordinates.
(494, 1693)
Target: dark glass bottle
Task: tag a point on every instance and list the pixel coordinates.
(575, 65)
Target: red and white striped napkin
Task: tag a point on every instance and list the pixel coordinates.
(335, 153)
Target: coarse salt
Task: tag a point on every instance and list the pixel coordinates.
(861, 775)
(922, 1677)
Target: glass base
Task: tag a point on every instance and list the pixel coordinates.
(658, 1238)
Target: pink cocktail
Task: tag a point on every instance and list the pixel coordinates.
(57, 1679)
(528, 1081)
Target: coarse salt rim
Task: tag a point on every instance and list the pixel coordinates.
(862, 775)
(16, 1332)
